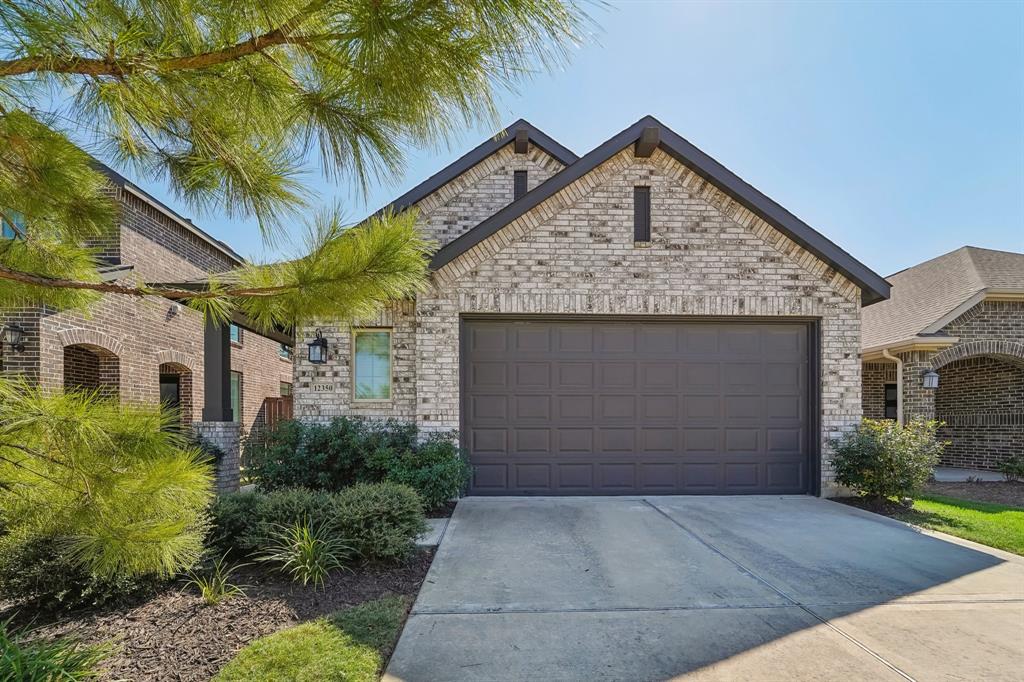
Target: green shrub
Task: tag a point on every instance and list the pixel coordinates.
(307, 551)
(29, 659)
(41, 571)
(882, 459)
(436, 470)
(245, 523)
(347, 450)
(380, 520)
(1012, 468)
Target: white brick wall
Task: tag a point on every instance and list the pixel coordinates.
(574, 254)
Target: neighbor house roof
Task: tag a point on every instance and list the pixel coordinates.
(648, 133)
(130, 187)
(521, 129)
(928, 296)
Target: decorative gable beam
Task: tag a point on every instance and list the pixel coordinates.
(648, 142)
(522, 141)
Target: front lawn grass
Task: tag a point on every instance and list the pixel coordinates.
(995, 525)
(349, 645)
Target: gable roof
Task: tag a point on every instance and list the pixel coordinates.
(471, 158)
(130, 187)
(930, 295)
(873, 286)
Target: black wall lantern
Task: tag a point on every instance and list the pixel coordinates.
(13, 336)
(318, 349)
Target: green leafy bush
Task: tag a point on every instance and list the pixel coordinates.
(882, 459)
(30, 659)
(347, 451)
(245, 523)
(42, 571)
(379, 520)
(1012, 468)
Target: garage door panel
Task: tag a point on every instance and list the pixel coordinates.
(616, 339)
(575, 376)
(657, 408)
(532, 375)
(530, 408)
(489, 407)
(596, 407)
(484, 375)
(617, 407)
(577, 408)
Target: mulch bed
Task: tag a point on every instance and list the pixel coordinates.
(883, 507)
(174, 636)
(443, 512)
(1010, 493)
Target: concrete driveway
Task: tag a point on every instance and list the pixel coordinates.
(722, 588)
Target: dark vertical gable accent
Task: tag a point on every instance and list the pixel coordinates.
(518, 185)
(641, 213)
(648, 142)
(522, 141)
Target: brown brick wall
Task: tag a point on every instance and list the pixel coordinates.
(874, 377)
(137, 336)
(263, 370)
(981, 400)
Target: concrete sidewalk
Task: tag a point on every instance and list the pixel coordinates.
(708, 588)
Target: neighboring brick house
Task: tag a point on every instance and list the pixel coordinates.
(961, 316)
(150, 349)
(638, 320)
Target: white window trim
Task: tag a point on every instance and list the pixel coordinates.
(391, 365)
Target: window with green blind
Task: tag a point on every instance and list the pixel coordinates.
(236, 396)
(371, 357)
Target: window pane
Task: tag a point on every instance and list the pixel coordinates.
(236, 333)
(236, 396)
(373, 365)
(286, 388)
(285, 351)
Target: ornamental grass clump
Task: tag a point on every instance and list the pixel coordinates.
(884, 460)
(308, 552)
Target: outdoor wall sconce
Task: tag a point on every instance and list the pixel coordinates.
(13, 336)
(318, 349)
(930, 379)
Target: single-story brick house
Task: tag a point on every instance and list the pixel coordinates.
(960, 316)
(635, 320)
(151, 349)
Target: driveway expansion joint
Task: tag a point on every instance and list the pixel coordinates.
(824, 621)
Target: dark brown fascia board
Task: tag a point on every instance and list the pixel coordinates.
(123, 182)
(471, 158)
(873, 286)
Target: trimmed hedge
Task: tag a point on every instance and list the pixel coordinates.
(346, 451)
(380, 520)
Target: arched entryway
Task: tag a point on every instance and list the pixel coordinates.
(176, 390)
(981, 400)
(88, 367)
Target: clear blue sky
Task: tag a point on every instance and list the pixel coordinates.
(896, 129)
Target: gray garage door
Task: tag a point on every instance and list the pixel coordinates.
(607, 407)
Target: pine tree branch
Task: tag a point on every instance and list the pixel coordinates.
(126, 66)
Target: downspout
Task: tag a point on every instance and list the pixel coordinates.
(899, 384)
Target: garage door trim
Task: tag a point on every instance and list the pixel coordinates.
(812, 324)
